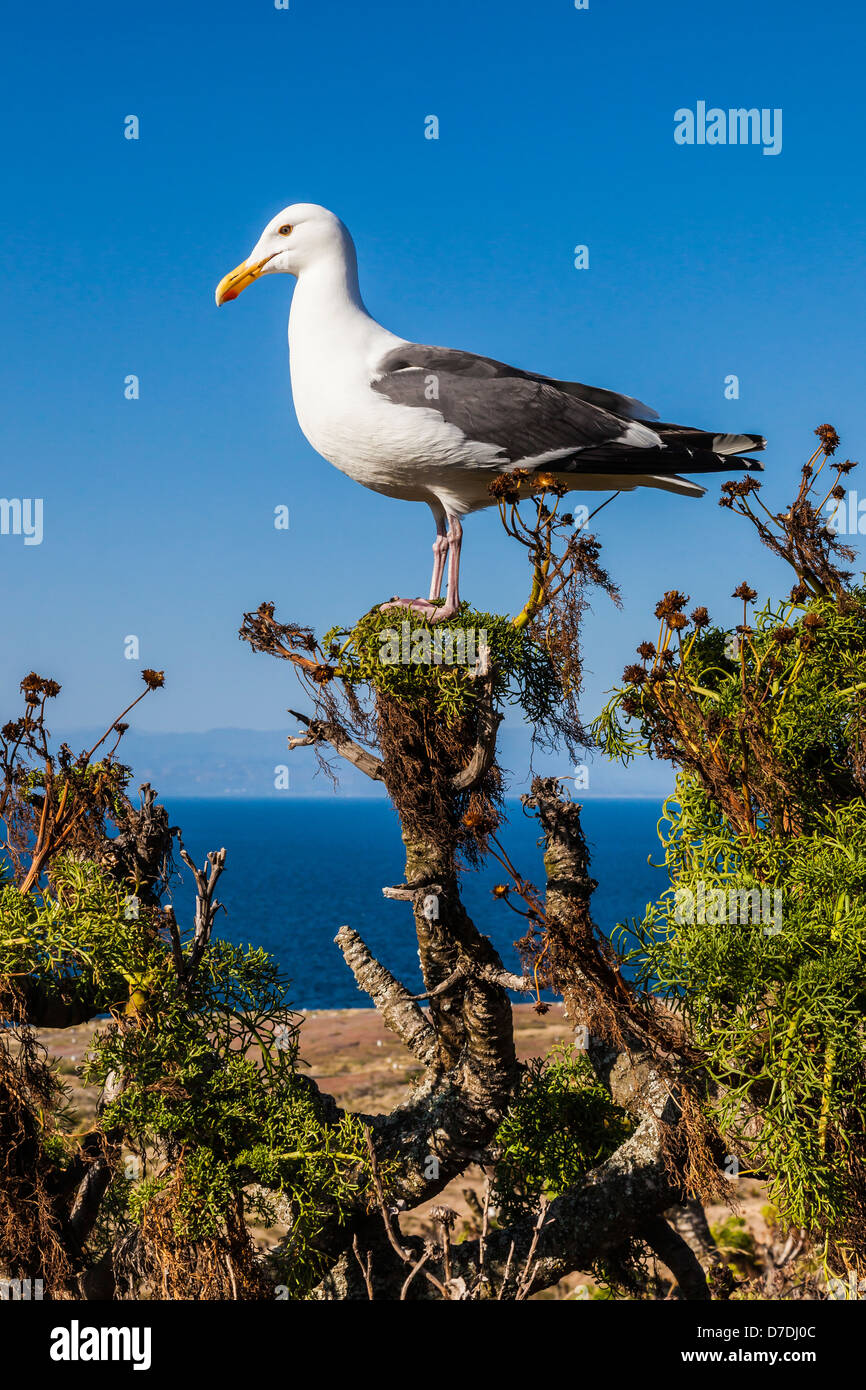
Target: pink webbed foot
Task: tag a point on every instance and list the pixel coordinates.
(433, 612)
(432, 608)
(446, 611)
(424, 606)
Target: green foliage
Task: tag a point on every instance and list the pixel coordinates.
(595, 1293)
(760, 941)
(770, 1214)
(212, 1099)
(560, 1124)
(737, 1244)
(371, 654)
(804, 675)
(79, 943)
(238, 1118)
(777, 1014)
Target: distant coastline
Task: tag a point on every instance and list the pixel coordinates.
(234, 764)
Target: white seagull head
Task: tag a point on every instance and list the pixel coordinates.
(298, 237)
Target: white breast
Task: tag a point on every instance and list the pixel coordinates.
(335, 347)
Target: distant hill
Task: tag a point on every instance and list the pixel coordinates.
(223, 762)
(243, 763)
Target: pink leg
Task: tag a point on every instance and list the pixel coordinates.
(428, 607)
(440, 551)
(452, 591)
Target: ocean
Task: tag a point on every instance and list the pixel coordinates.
(297, 869)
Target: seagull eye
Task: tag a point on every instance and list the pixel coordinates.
(285, 231)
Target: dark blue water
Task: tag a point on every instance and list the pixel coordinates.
(297, 869)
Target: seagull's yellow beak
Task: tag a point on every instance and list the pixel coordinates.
(244, 274)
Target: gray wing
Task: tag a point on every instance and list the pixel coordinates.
(470, 364)
(571, 427)
(521, 414)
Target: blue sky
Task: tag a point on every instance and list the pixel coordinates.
(556, 129)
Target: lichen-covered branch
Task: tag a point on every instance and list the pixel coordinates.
(484, 752)
(320, 731)
(670, 1247)
(399, 1011)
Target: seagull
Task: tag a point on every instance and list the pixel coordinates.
(437, 425)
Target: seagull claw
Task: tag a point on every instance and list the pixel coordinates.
(431, 610)
(442, 614)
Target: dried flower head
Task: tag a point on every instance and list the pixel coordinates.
(154, 680)
(504, 488)
(829, 438)
(33, 686)
(443, 1216)
(745, 592)
(700, 617)
(673, 602)
(740, 487)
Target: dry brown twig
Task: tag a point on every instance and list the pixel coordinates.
(405, 1255)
